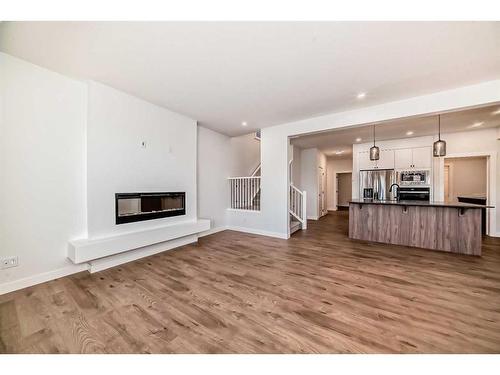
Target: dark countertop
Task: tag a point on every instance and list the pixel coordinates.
(473, 196)
(419, 203)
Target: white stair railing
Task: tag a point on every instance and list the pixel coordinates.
(244, 193)
(256, 171)
(298, 206)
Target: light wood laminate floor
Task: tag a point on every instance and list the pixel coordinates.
(241, 293)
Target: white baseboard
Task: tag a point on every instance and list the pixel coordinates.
(312, 218)
(115, 260)
(244, 230)
(212, 231)
(26, 282)
(258, 231)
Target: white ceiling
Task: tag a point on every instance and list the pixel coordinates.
(338, 143)
(224, 73)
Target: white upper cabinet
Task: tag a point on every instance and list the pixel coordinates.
(418, 158)
(403, 158)
(386, 160)
(364, 161)
(422, 158)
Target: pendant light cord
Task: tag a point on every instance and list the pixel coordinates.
(373, 135)
(439, 127)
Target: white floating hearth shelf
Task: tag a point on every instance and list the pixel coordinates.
(85, 250)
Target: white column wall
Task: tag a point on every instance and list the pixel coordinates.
(42, 171)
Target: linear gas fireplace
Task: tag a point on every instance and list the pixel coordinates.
(131, 207)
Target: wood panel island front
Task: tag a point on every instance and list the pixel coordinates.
(450, 227)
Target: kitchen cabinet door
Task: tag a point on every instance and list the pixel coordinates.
(386, 160)
(422, 158)
(403, 158)
(364, 161)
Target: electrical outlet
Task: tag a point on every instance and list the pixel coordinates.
(9, 262)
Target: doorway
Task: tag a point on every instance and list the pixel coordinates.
(465, 177)
(344, 190)
(466, 181)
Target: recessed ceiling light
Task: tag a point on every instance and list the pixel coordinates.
(244, 123)
(409, 133)
(497, 112)
(361, 95)
(358, 139)
(477, 124)
(339, 152)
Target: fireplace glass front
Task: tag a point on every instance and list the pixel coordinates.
(131, 207)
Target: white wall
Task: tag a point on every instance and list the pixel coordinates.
(42, 170)
(244, 155)
(322, 160)
(322, 164)
(117, 163)
(310, 161)
(309, 180)
(334, 166)
(272, 219)
(213, 170)
(296, 167)
(66, 147)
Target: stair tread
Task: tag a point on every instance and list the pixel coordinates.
(294, 228)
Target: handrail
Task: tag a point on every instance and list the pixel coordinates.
(244, 193)
(298, 205)
(256, 170)
(237, 178)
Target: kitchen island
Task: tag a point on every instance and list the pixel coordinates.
(450, 227)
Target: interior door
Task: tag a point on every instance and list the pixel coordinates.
(344, 189)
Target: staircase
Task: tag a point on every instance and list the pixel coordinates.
(245, 195)
(295, 225)
(297, 210)
(245, 191)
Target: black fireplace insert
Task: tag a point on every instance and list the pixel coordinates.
(131, 207)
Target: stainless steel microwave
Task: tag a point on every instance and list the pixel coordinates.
(412, 178)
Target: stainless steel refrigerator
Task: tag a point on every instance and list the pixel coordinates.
(375, 184)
